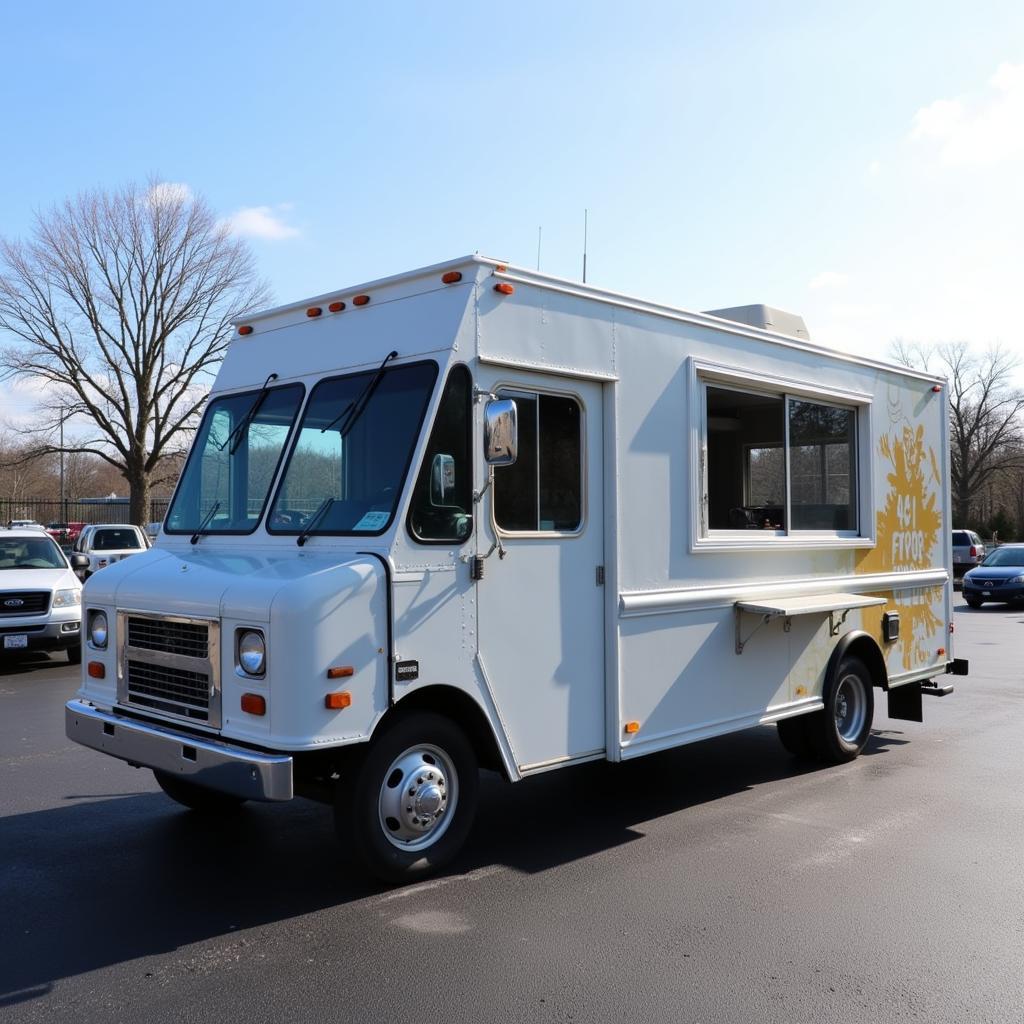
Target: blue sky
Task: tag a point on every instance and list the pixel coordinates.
(858, 164)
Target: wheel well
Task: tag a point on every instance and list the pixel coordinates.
(461, 709)
(861, 645)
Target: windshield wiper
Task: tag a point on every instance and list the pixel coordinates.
(314, 519)
(354, 410)
(206, 522)
(235, 437)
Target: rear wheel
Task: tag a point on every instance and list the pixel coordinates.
(410, 805)
(840, 731)
(197, 798)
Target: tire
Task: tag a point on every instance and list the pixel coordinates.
(840, 731)
(75, 655)
(973, 602)
(375, 810)
(795, 736)
(197, 798)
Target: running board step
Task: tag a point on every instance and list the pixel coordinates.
(933, 690)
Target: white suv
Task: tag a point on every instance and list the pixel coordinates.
(105, 544)
(40, 598)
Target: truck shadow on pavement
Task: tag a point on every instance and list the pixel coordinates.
(109, 880)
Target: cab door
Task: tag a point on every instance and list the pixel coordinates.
(541, 605)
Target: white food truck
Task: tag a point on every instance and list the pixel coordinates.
(476, 515)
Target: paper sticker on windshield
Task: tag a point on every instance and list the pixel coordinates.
(373, 521)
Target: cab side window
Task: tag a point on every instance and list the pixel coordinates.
(542, 491)
(442, 502)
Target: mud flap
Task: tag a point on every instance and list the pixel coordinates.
(905, 703)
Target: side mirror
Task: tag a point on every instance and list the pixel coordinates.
(501, 432)
(442, 479)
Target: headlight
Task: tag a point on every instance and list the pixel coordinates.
(252, 652)
(1016, 579)
(98, 629)
(67, 598)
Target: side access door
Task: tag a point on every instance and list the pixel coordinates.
(541, 606)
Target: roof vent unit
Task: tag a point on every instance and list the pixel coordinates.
(766, 318)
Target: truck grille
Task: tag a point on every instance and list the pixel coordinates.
(190, 638)
(24, 602)
(170, 665)
(175, 691)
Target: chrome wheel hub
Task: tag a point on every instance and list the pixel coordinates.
(418, 797)
(851, 708)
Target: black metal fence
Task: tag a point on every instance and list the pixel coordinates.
(78, 510)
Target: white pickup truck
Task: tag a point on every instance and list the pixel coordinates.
(103, 545)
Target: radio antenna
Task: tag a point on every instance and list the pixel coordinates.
(584, 246)
(539, 231)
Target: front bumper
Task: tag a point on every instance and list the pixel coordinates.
(206, 762)
(48, 636)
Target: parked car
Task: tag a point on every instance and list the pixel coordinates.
(25, 524)
(40, 598)
(999, 578)
(968, 551)
(101, 545)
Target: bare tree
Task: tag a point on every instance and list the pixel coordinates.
(121, 303)
(985, 406)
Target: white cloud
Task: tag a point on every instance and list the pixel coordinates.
(983, 130)
(261, 222)
(169, 192)
(829, 279)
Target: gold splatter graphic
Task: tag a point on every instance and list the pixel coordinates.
(908, 527)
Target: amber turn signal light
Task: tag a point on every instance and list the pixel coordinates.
(97, 670)
(254, 704)
(632, 727)
(338, 701)
(504, 288)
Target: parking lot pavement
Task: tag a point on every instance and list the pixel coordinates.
(719, 882)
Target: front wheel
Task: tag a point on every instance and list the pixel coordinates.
(841, 730)
(408, 809)
(973, 602)
(75, 654)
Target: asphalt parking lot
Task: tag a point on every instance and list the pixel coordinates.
(719, 882)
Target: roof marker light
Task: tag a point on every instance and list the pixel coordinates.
(452, 277)
(504, 288)
(336, 307)
(245, 330)
(314, 311)
(501, 268)
(936, 388)
(360, 300)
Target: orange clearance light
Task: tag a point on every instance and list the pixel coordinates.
(452, 277)
(360, 300)
(504, 288)
(314, 311)
(340, 672)
(936, 388)
(338, 701)
(245, 330)
(254, 704)
(632, 727)
(501, 268)
(941, 650)
(336, 307)
(97, 670)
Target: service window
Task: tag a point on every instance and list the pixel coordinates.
(779, 463)
(542, 491)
